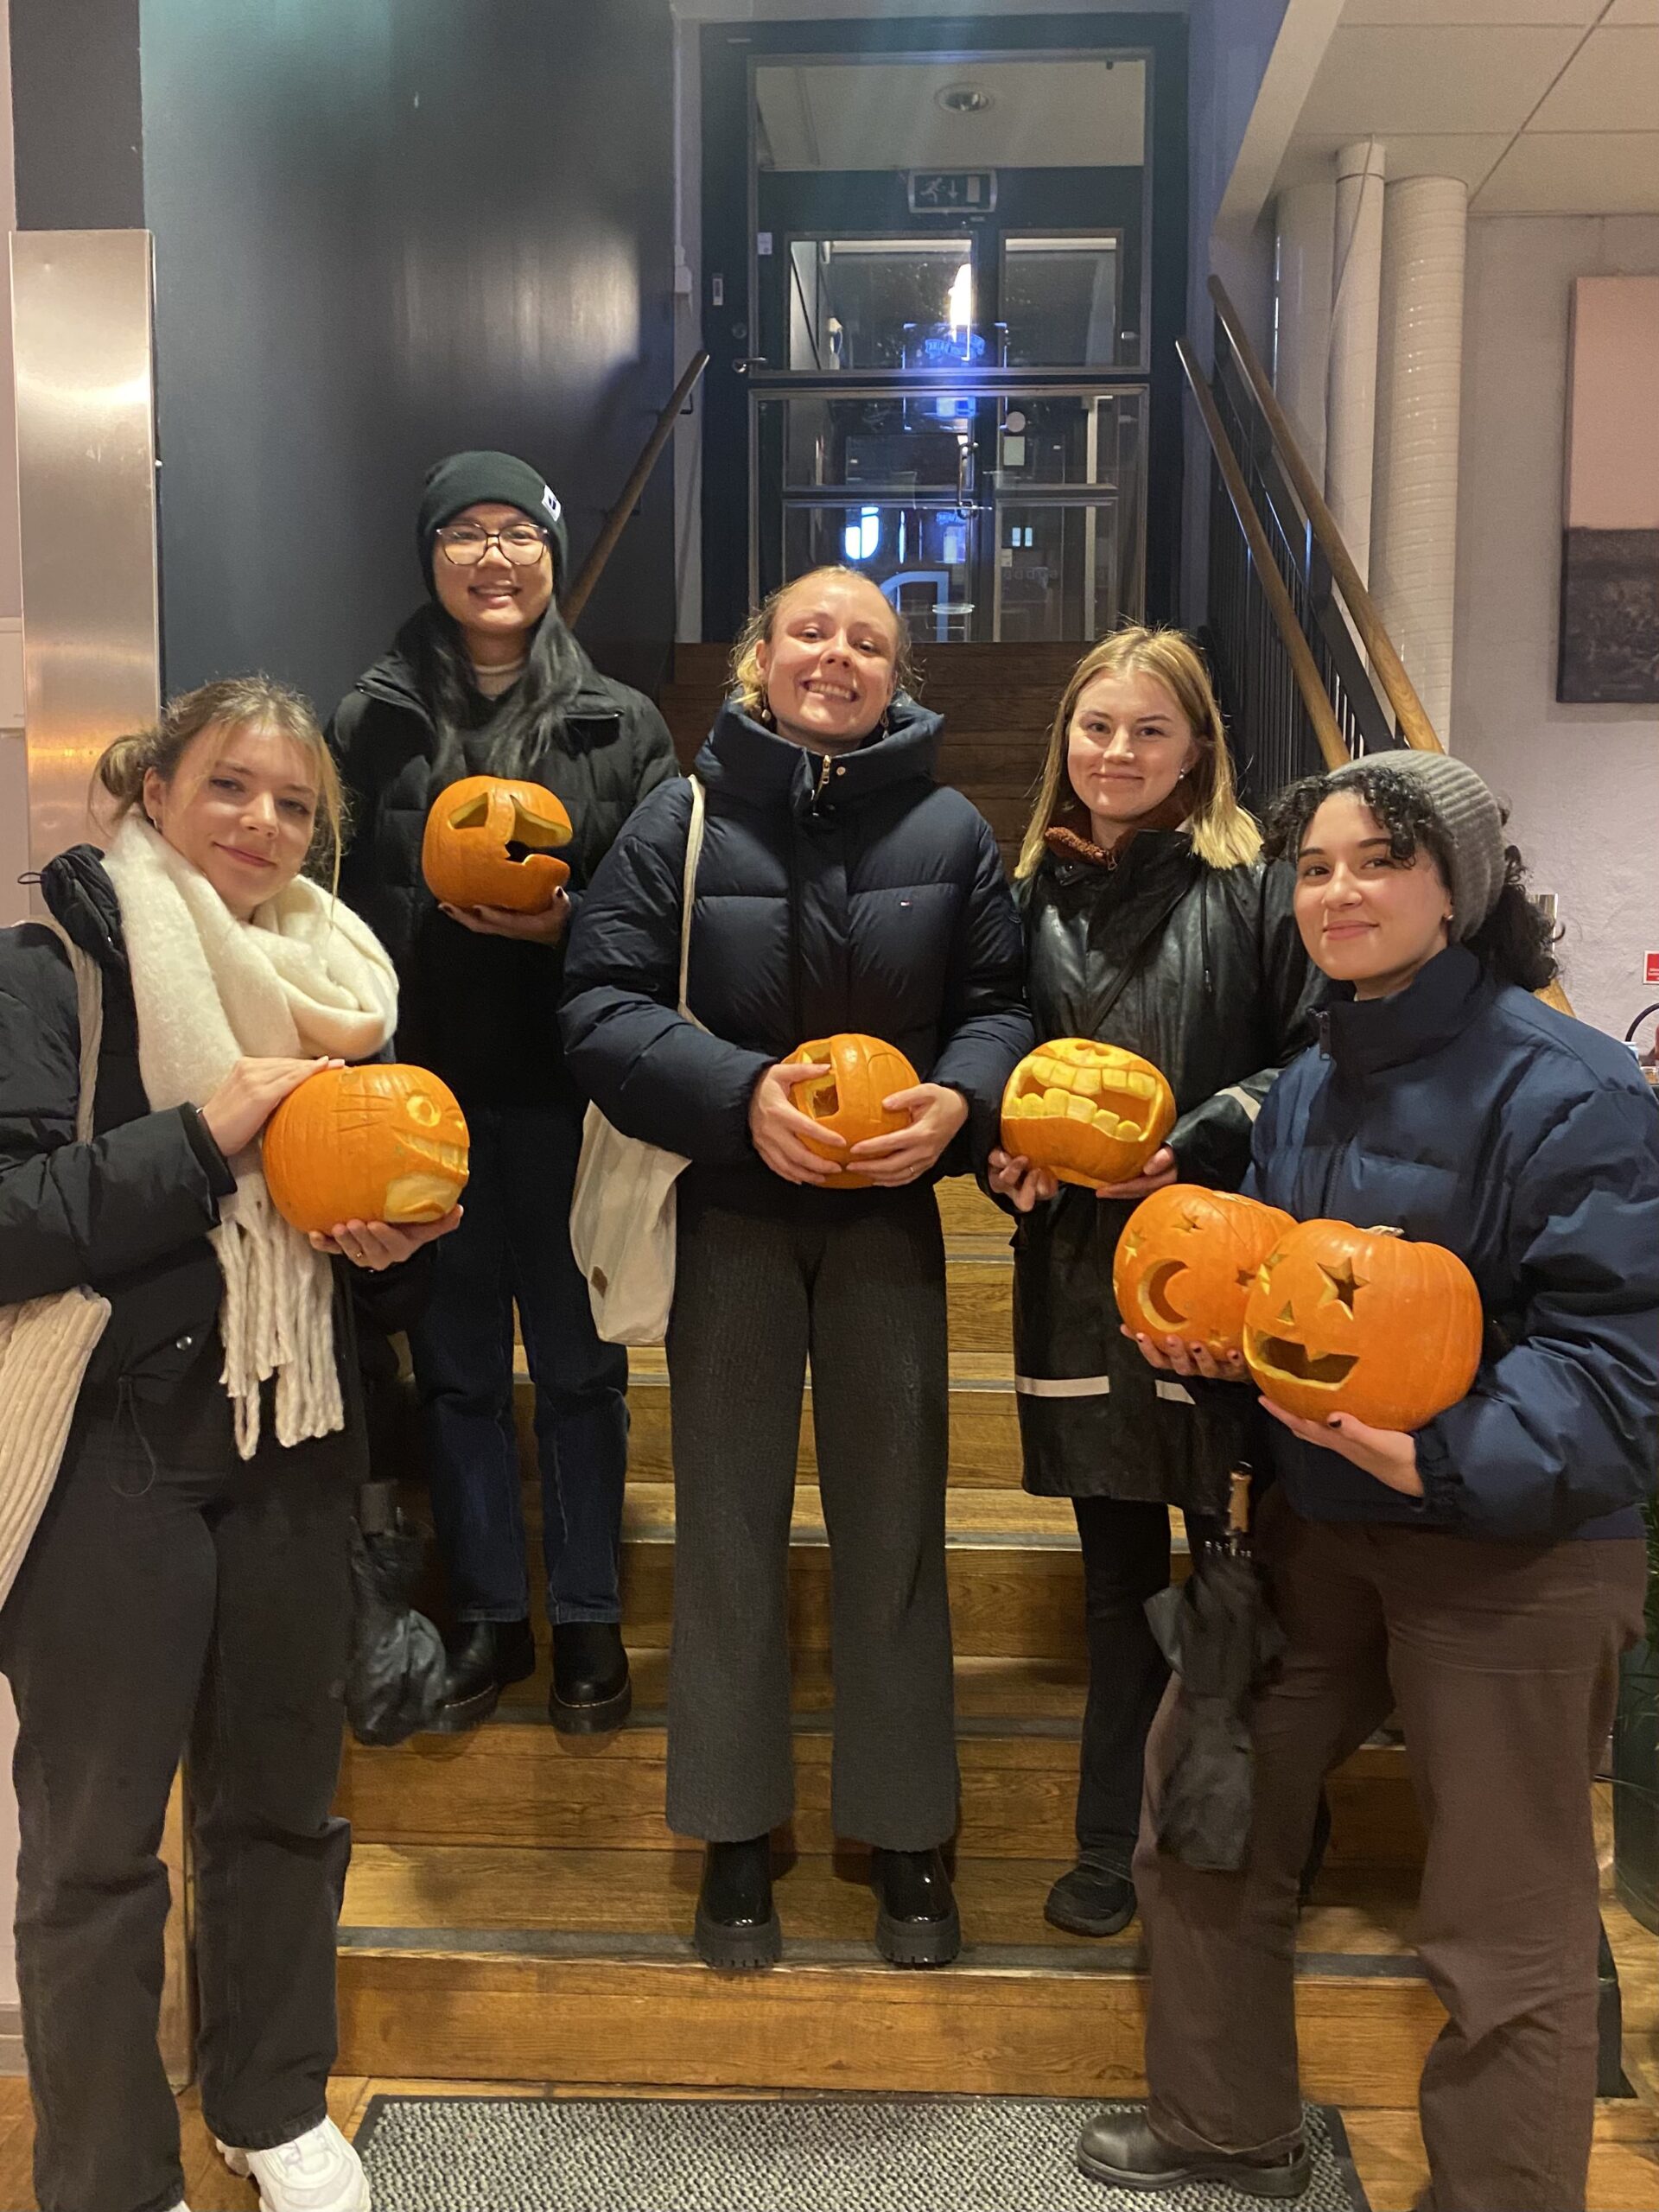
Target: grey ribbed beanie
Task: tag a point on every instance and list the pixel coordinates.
(1468, 814)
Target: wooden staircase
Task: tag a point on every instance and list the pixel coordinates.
(518, 1910)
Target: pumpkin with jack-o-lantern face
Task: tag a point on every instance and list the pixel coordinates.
(1089, 1113)
(1187, 1261)
(487, 843)
(863, 1072)
(383, 1142)
(1361, 1321)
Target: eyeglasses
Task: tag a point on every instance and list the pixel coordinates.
(465, 544)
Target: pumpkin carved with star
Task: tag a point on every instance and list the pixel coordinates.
(863, 1071)
(1089, 1113)
(1187, 1261)
(1363, 1321)
(488, 842)
(383, 1142)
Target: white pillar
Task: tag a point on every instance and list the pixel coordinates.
(1306, 224)
(1350, 420)
(1419, 390)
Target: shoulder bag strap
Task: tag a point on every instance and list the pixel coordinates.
(89, 1007)
(688, 889)
(1126, 974)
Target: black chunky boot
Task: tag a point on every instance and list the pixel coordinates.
(484, 1657)
(1122, 2150)
(590, 1693)
(1091, 1899)
(736, 1924)
(915, 1919)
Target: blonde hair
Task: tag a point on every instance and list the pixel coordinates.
(748, 685)
(236, 703)
(1223, 833)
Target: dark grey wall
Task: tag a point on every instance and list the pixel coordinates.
(384, 231)
(76, 115)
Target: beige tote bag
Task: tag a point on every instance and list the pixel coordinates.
(45, 1342)
(622, 1214)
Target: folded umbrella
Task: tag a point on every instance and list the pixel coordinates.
(395, 1681)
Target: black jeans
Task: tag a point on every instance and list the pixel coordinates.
(513, 1246)
(862, 1296)
(162, 1606)
(1125, 1561)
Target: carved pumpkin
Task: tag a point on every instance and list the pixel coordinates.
(863, 1072)
(486, 844)
(1091, 1114)
(379, 1143)
(1187, 1261)
(1361, 1321)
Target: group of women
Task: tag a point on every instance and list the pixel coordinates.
(1344, 1016)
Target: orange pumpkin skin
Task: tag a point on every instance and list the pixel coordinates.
(469, 827)
(863, 1071)
(1361, 1321)
(1090, 1114)
(1187, 1261)
(380, 1143)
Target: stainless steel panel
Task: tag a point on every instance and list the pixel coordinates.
(82, 348)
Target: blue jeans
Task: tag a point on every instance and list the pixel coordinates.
(513, 1246)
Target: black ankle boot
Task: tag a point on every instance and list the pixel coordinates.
(736, 1925)
(1092, 1899)
(484, 1657)
(1122, 2150)
(590, 1692)
(915, 1919)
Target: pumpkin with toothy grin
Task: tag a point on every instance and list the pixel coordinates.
(1089, 1113)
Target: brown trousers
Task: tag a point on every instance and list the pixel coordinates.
(1502, 1660)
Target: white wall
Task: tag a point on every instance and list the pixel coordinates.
(1583, 781)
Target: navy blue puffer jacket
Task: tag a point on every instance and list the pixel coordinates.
(1465, 1113)
(849, 894)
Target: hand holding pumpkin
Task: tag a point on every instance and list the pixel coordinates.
(378, 1245)
(250, 1094)
(936, 1114)
(1159, 1172)
(1173, 1357)
(546, 926)
(790, 1143)
(1388, 1455)
(1013, 1175)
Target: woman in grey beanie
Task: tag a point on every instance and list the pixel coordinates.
(1483, 1571)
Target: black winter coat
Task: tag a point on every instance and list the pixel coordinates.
(481, 1012)
(1464, 1113)
(128, 1212)
(849, 894)
(1217, 995)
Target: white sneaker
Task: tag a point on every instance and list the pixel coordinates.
(318, 2172)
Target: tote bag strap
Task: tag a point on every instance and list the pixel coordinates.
(89, 1008)
(688, 889)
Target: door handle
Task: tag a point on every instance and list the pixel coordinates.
(744, 362)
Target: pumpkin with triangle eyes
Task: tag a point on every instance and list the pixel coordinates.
(1363, 1321)
(488, 842)
(1187, 1261)
(863, 1072)
(1089, 1113)
(383, 1142)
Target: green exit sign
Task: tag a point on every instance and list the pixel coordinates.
(952, 192)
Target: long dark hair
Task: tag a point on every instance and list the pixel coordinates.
(529, 717)
(1513, 941)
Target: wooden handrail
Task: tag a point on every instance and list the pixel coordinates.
(1303, 667)
(604, 545)
(1413, 724)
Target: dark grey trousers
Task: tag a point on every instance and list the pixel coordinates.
(161, 1606)
(864, 1299)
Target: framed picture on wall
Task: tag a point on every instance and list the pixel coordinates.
(1610, 543)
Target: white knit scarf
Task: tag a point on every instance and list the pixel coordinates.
(304, 976)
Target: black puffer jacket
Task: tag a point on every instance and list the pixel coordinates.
(479, 1011)
(832, 895)
(128, 1212)
(1218, 995)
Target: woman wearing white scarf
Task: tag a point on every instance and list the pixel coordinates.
(188, 1584)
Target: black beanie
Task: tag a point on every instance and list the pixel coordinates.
(472, 480)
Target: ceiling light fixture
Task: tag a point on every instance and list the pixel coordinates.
(963, 99)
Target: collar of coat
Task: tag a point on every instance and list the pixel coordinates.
(79, 896)
(1361, 1036)
(393, 681)
(744, 760)
(1142, 862)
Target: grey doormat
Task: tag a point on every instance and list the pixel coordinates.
(822, 2154)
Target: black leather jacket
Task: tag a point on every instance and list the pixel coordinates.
(1206, 977)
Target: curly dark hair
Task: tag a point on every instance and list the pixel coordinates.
(1515, 940)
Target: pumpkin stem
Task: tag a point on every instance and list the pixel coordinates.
(1383, 1229)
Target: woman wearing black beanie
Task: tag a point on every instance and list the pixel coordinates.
(486, 680)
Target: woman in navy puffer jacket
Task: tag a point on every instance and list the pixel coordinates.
(1482, 1572)
(840, 889)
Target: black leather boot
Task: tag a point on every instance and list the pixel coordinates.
(484, 1657)
(1092, 1899)
(1120, 2149)
(915, 1919)
(736, 1923)
(590, 1692)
